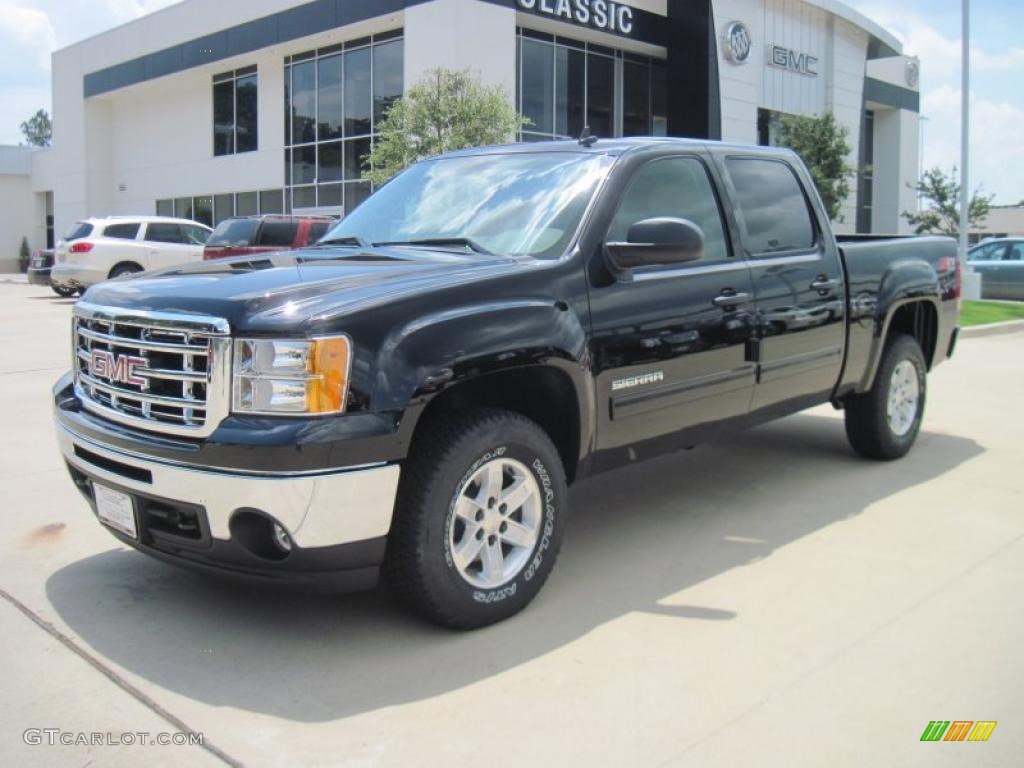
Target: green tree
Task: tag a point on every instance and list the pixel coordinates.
(24, 254)
(38, 130)
(443, 112)
(824, 146)
(941, 194)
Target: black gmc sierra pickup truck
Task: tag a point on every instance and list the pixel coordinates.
(409, 398)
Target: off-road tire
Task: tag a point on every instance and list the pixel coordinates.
(418, 567)
(867, 424)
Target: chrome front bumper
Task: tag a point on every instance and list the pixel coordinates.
(316, 509)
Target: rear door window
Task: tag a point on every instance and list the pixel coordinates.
(121, 231)
(317, 230)
(772, 206)
(277, 234)
(159, 232)
(79, 230)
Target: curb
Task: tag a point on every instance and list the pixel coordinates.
(992, 329)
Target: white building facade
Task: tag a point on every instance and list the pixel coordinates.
(208, 110)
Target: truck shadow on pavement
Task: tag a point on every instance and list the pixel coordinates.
(638, 536)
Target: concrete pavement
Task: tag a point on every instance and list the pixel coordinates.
(769, 599)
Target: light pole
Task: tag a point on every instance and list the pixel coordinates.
(965, 129)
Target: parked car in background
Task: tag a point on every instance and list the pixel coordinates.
(1001, 266)
(103, 248)
(39, 267)
(260, 234)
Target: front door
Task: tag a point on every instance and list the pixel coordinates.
(669, 346)
(798, 283)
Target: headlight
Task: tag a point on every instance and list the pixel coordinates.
(291, 376)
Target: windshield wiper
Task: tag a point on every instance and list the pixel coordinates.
(441, 242)
(356, 241)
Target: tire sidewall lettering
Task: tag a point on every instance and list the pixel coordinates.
(533, 567)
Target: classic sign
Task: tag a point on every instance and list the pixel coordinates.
(604, 15)
(119, 368)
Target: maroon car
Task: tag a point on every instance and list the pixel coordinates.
(260, 234)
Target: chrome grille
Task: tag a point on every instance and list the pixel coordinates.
(164, 372)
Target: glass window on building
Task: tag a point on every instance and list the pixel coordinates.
(202, 209)
(866, 178)
(246, 204)
(235, 112)
(565, 85)
(183, 207)
(334, 99)
(223, 208)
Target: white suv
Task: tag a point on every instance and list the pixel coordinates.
(99, 249)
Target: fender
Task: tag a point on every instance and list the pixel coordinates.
(903, 283)
(428, 355)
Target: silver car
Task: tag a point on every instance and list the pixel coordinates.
(1001, 266)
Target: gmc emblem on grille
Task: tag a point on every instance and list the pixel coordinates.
(119, 368)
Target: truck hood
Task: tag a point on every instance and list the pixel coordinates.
(294, 290)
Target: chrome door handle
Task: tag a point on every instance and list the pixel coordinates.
(730, 299)
(824, 284)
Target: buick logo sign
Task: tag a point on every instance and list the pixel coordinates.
(737, 42)
(913, 73)
(119, 368)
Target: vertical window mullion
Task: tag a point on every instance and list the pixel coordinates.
(234, 116)
(618, 98)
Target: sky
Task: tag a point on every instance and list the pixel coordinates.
(31, 29)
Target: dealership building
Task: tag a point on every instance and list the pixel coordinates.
(207, 110)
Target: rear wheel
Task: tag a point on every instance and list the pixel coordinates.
(479, 520)
(66, 293)
(124, 269)
(883, 423)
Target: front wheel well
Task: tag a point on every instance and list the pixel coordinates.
(920, 321)
(541, 393)
(134, 265)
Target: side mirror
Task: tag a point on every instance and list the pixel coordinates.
(657, 242)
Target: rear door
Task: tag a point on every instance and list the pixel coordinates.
(166, 245)
(669, 345)
(993, 261)
(798, 283)
(1010, 273)
(121, 245)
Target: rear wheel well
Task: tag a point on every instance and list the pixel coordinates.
(543, 394)
(132, 264)
(920, 321)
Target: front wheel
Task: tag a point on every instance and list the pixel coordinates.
(479, 519)
(883, 423)
(64, 293)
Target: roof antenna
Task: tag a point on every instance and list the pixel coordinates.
(587, 139)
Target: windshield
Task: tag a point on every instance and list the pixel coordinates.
(514, 204)
(235, 232)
